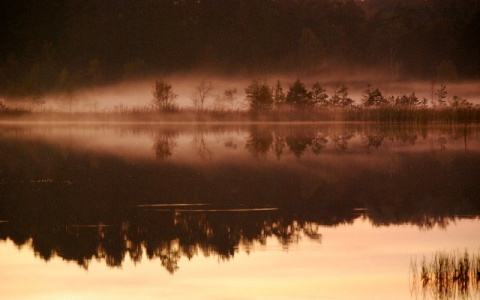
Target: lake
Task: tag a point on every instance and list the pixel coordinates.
(235, 210)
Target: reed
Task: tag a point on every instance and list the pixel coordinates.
(388, 114)
(453, 275)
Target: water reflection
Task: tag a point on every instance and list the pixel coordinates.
(374, 141)
(259, 142)
(297, 141)
(162, 234)
(166, 192)
(200, 146)
(164, 143)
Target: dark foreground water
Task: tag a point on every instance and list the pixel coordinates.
(317, 211)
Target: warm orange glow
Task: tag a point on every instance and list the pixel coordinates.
(358, 261)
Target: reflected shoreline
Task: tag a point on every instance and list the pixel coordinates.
(166, 236)
(104, 192)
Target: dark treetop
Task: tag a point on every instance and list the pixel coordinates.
(57, 45)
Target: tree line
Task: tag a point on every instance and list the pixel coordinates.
(50, 46)
(277, 103)
(260, 96)
(300, 101)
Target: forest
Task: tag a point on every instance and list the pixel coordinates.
(58, 46)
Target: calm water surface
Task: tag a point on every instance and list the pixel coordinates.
(286, 211)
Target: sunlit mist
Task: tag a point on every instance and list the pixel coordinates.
(254, 149)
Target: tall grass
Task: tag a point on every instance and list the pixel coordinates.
(453, 275)
(384, 114)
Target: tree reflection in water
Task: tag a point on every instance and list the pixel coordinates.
(341, 141)
(373, 141)
(200, 146)
(298, 143)
(166, 235)
(278, 145)
(259, 142)
(319, 142)
(80, 205)
(164, 142)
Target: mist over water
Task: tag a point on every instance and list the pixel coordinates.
(109, 195)
(254, 149)
(138, 93)
(356, 165)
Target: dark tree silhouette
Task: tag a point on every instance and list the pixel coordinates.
(278, 96)
(298, 96)
(200, 94)
(319, 96)
(407, 101)
(163, 97)
(373, 98)
(259, 96)
(99, 44)
(340, 98)
(441, 94)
